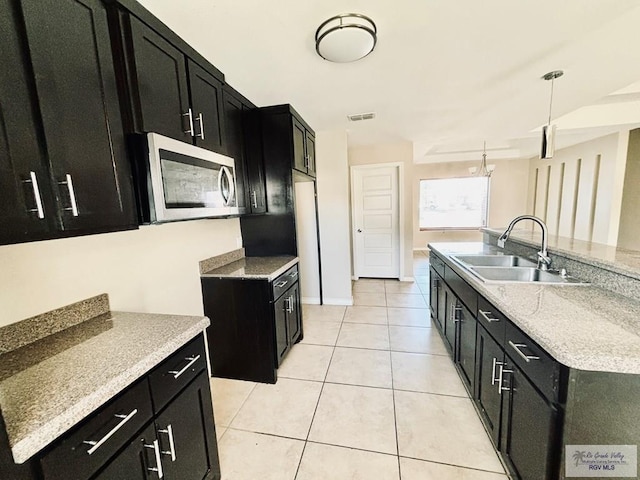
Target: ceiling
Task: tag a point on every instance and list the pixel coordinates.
(445, 75)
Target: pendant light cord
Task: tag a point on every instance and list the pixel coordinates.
(551, 100)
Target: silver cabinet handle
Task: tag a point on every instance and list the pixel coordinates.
(290, 304)
(201, 122)
(191, 360)
(172, 446)
(293, 274)
(227, 195)
(500, 378)
(68, 181)
(254, 199)
(156, 448)
(488, 318)
(518, 346)
(454, 310)
(191, 131)
(493, 370)
(281, 284)
(95, 445)
(33, 180)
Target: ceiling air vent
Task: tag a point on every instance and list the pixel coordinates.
(361, 116)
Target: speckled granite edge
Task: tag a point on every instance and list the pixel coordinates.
(19, 334)
(257, 268)
(221, 260)
(42, 436)
(612, 277)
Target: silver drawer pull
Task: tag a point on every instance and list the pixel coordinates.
(293, 274)
(254, 199)
(488, 318)
(33, 180)
(191, 360)
(96, 445)
(156, 448)
(453, 314)
(281, 283)
(72, 194)
(201, 122)
(172, 445)
(518, 346)
(500, 378)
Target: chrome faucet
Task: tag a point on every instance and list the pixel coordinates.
(544, 261)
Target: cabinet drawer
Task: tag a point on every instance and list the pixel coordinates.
(462, 290)
(535, 363)
(437, 264)
(284, 282)
(175, 373)
(107, 431)
(492, 320)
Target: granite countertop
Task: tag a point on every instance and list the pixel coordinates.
(584, 327)
(619, 260)
(51, 384)
(267, 268)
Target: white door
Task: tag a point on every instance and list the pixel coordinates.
(376, 228)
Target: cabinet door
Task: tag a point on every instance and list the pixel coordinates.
(489, 358)
(466, 347)
(27, 211)
(442, 305)
(254, 162)
(137, 461)
(434, 288)
(311, 153)
(293, 314)
(70, 51)
(299, 139)
(281, 328)
(161, 85)
(186, 433)
(451, 320)
(206, 107)
(528, 442)
(233, 142)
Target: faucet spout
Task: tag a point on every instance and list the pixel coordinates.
(544, 261)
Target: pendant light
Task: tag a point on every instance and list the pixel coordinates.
(549, 131)
(484, 170)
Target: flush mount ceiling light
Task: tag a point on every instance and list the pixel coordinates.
(549, 131)
(346, 38)
(484, 170)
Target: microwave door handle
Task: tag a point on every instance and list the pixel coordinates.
(224, 171)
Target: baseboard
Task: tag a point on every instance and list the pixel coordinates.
(407, 279)
(338, 301)
(421, 249)
(310, 300)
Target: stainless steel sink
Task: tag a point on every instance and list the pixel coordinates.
(522, 274)
(494, 260)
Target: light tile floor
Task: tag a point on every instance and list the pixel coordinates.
(370, 393)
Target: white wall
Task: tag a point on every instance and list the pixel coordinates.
(507, 197)
(332, 172)
(401, 152)
(629, 232)
(307, 239)
(578, 192)
(153, 269)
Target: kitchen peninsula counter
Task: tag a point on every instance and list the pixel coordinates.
(582, 326)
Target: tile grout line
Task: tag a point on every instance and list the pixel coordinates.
(393, 399)
(315, 410)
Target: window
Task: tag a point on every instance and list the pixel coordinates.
(454, 203)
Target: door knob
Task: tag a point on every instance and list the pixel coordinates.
(359, 231)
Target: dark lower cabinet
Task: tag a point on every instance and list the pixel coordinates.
(488, 392)
(137, 461)
(529, 422)
(281, 328)
(466, 346)
(434, 290)
(451, 309)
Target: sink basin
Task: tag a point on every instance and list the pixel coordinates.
(494, 260)
(522, 274)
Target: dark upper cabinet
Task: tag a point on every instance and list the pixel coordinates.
(206, 108)
(63, 63)
(165, 91)
(310, 145)
(239, 125)
(160, 94)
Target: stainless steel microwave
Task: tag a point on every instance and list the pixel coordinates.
(187, 182)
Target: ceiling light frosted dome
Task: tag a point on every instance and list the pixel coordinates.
(346, 38)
